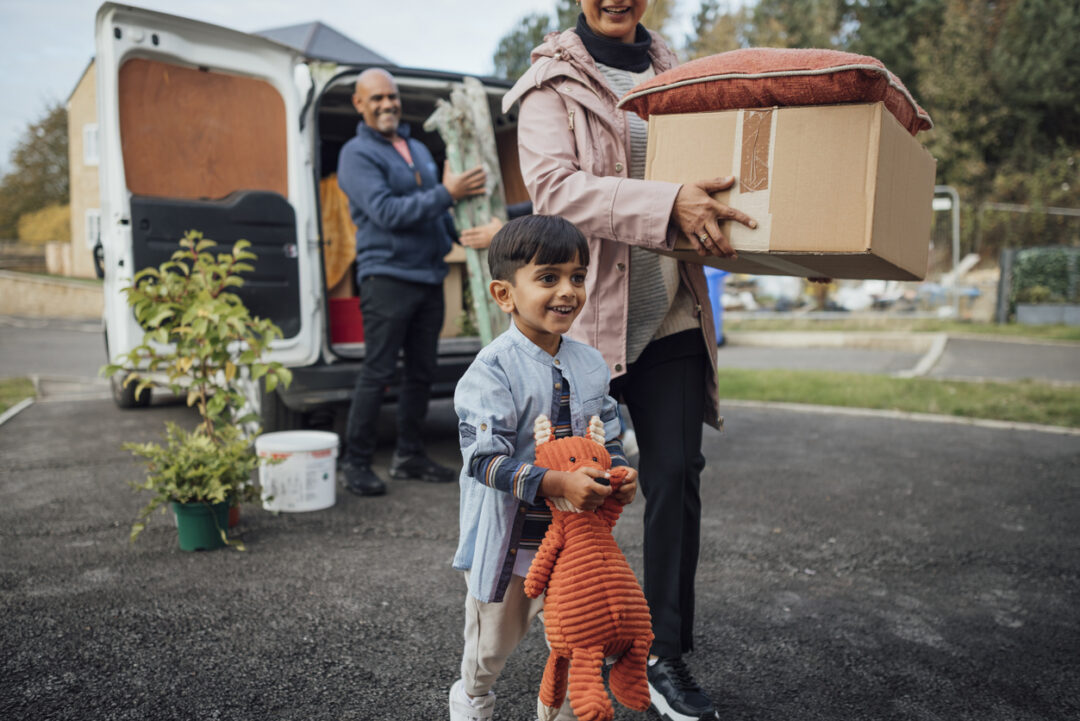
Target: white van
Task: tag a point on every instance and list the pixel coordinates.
(237, 136)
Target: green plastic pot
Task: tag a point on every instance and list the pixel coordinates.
(199, 525)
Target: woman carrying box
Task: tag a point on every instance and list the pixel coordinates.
(648, 314)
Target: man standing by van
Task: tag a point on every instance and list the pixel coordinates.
(403, 232)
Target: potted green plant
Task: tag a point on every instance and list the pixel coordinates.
(203, 344)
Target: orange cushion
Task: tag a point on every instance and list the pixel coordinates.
(768, 77)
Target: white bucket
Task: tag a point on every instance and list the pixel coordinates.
(303, 479)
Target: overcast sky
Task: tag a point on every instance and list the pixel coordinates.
(46, 44)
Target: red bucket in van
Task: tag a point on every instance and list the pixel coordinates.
(346, 323)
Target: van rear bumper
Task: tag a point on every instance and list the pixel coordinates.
(316, 386)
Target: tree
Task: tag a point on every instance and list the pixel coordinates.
(566, 14)
(715, 31)
(512, 56)
(798, 24)
(962, 97)
(890, 30)
(1036, 61)
(52, 222)
(657, 15)
(1002, 90)
(39, 174)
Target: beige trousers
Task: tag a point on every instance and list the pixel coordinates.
(492, 632)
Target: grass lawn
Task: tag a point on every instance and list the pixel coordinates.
(1022, 401)
(13, 390)
(738, 322)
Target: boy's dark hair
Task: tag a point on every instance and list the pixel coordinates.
(543, 239)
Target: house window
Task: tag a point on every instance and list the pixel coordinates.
(90, 144)
(93, 227)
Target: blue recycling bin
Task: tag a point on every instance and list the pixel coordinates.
(714, 277)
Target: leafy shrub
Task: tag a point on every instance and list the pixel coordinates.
(1045, 275)
(52, 222)
(202, 338)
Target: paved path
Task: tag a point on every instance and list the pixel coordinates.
(63, 348)
(63, 355)
(852, 568)
(966, 357)
(958, 357)
(61, 351)
(847, 360)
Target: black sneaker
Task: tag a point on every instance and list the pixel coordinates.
(362, 481)
(675, 694)
(420, 467)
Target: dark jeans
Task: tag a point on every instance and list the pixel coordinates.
(664, 390)
(399, 317)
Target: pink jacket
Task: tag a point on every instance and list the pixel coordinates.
(574, 154)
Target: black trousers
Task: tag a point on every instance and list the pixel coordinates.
(399, 317)
(664, 389)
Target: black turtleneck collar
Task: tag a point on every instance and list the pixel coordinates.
(633, 57)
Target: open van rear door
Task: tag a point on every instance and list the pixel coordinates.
(201, 129)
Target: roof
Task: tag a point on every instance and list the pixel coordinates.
(87, 71)
(322, 42)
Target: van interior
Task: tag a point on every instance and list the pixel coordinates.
(337, 119)
(206, 150)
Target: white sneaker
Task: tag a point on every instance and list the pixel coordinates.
(463, 708)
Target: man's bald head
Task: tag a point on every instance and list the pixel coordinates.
(376, 99)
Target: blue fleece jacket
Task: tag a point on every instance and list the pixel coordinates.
(403, 229)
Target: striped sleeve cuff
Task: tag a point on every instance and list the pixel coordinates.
(615, 450)
(504, 474)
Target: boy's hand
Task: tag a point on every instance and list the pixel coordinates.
(628, 488)
(480, 236)
(578, 487)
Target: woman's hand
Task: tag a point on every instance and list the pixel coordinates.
(480, 236)
(699, 216)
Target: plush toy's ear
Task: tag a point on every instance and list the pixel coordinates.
(595, 431)
(541, 429)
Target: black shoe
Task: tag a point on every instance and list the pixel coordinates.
(419, 467)
(675, 694)
(362, 481)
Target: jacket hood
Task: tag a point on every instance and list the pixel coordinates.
(563, 54)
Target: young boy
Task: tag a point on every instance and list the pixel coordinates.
(538, 265)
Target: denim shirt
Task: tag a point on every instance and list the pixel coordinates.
(506, 387)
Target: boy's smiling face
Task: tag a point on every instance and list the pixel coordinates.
(544, 300)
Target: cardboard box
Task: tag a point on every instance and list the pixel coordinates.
(838, 191)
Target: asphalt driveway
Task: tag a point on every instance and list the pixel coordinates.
(852, 568)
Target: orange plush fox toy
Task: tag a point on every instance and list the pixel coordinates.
(594, 607)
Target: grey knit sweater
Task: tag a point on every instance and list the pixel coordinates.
(659, 304)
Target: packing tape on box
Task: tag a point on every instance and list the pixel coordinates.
(752, 166)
